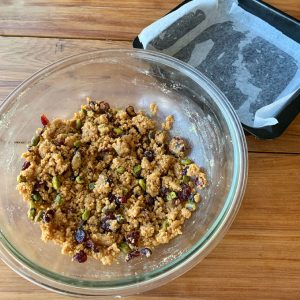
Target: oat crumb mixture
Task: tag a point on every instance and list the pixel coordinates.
(109, 181)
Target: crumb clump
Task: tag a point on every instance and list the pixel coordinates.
(153, 109)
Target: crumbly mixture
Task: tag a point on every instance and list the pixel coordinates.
(168, 124)
(153, 109)
(108, 181)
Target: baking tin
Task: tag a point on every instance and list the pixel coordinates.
(291, 28)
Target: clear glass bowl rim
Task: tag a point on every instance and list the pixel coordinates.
(65, 285)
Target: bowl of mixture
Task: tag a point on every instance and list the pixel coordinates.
(121, 170)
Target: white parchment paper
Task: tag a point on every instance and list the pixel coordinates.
(255, 65)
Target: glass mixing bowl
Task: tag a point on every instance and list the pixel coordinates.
(202, 115)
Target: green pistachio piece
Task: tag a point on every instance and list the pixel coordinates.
(21, 178)
(55, 183)
(35, 140)
(142, 184)
(92, 186)
(76, 161)
(86, 214)
(120, 170)
(186, 179)
(124, 247)
(191, 206)
(36, 196)
(58, 199)
(118, 131)
(164, 225)
(186, 161)
(31, 213)
(78, 124)
(79, 179)
(171, 196)
(77, 144)
(137, 170)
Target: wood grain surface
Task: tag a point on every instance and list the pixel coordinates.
(259, 258)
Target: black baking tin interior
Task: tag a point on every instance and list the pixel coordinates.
(291, 28)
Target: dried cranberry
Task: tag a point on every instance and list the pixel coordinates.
(146, 252)
(80, 235)
(59, 142)
(184, 171)
(149, 200)
(44, 120)
(80, 256)
(91, 245)
(132, 237)
(164, 191)
(185, 192)
(149, 154)
(110, 117)
(130, 111)
(133, 254)
(48, 215)
(39, 185)
(26, 165)
(104, 106)
(105, 222)
(102, 153)
(120, 200)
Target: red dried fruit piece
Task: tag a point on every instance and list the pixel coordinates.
(80, 256)
(26, 165)
(185, 193)
(105, 222)
(44, 120)
(164, 191)
(184, 171)
(149, 200)
(48, 216)
(130, 111)
(133, 254)
(149, 154)
(120, 200)
(104, 106)
(91, 245)
(133, 237)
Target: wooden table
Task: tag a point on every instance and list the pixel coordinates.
(260, 255)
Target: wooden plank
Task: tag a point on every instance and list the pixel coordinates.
(21, 57)
(259, 257)
(76, 22)
(291, 7)
(153, 4)
(117, 20)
